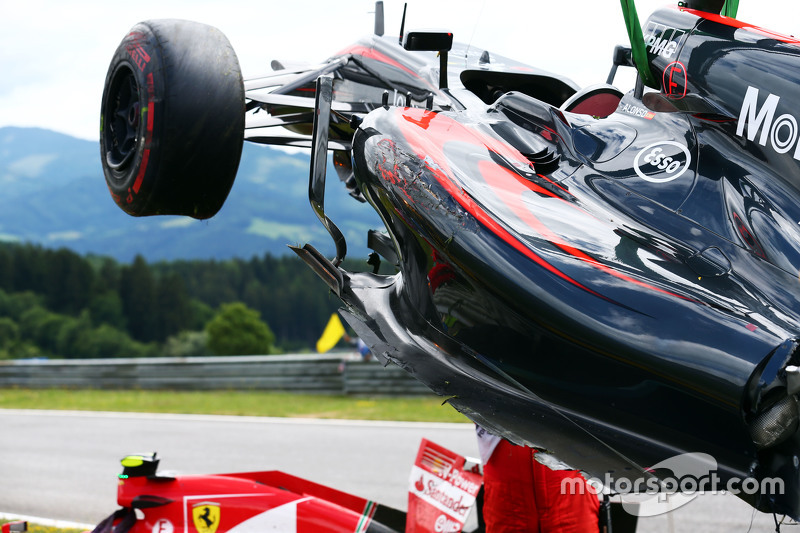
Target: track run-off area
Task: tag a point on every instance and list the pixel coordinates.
(63, 465)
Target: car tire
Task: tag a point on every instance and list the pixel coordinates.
(172, 120)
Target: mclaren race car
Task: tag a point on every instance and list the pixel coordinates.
(609, 277)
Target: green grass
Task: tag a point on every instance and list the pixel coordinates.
(241, 403)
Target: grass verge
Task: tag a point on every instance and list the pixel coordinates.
(241, 403)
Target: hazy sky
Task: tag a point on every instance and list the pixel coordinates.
(54, 54)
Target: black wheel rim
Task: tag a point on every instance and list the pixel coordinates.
(122, 113)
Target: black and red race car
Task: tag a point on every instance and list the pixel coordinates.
(611, 278)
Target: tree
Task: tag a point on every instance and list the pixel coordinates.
(201, 313)
(154, 302)
(15, 304)
(187, 344)
(107, 341)
(238, 330)
(172, 304)
(68, 282)
(106, 308)
(43, 328)
(137, 291)
(9, 336)
(71, 334)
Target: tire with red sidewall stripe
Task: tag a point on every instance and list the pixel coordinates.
(172, 120)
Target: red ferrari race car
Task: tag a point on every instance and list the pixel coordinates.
(610, 278)
(441, 496)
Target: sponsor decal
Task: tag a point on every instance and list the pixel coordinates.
(662, 40)
(205, 516)
(138, 54)
(675, 80)
(443, 495)
(445, 525)
(441, 492)
(781, 132)
(163, 526)
(637, 111)
(662, 161)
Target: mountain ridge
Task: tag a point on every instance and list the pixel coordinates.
(54, 195)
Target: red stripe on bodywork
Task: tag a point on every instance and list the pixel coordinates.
(733, 23)
(508, 185)
(450, 130)
(371, 53)
(484, 218)
(513, 199)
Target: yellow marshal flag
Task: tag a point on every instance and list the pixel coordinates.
(333, 332)
(205, 516)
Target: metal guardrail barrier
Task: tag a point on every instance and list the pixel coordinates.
(314, 373)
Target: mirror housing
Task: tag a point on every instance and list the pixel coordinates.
(431, 41)
(428, 41)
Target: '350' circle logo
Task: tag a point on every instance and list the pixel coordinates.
(662, 161)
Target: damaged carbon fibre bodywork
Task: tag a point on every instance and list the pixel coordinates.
(560, 283)
(610, 278)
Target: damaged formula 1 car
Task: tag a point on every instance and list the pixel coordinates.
(610, 278)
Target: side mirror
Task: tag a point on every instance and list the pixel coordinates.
(428, 41)
(431, 41)
(623, 57)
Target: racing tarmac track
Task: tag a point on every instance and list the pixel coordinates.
(63, 465)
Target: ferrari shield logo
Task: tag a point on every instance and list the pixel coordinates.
(206, 516)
